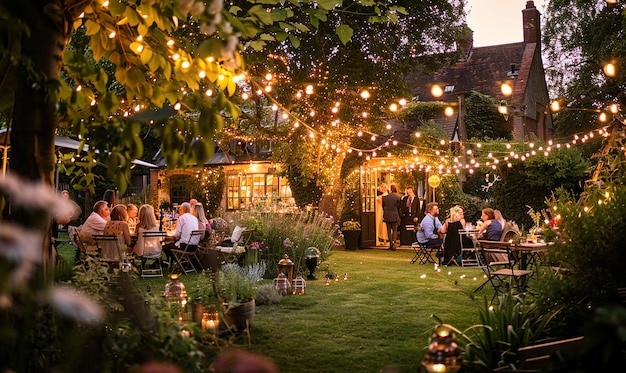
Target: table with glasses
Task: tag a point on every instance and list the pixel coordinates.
(469, 257)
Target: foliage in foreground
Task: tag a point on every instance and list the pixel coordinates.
(590, 255)
(504, 328)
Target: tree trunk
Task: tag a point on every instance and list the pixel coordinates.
(34, 123)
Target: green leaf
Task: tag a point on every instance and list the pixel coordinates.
(329, 4)
(261, 14)
(257, 45)
(209, 48)
(92, 27)
(294, 41)
(367, 2)
(117, 7)
(146, 56)
(345, 33)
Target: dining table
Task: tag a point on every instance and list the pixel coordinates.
(469, 256)
(529, 254)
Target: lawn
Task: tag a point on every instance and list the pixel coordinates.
(378, 319)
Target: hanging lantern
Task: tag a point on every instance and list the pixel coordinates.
(434, 181)
(443, 354)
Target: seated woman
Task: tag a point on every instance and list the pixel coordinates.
(452, 242)
(117, 226)
(491, 229)
(203, 222)
(147, 247)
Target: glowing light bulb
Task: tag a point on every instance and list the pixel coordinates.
(365, 94)
(506, 89)
(436, 91)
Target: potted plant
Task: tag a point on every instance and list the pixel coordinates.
(351, 234)
(237, 291)
(203, 295)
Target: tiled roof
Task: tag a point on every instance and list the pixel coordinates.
(485, 70)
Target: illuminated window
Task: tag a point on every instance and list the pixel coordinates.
(245, 191)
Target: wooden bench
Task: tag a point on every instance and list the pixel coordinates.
(537, 358)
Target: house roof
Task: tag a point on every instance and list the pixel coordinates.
(485, 70)
(223, 159)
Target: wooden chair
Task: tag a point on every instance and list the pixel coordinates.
(152, 251)
(185, 257)
(544, 357)
(499, 267)
(239, 240)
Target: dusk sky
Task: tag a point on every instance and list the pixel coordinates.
(498, 21)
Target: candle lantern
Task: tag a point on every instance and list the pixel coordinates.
(299, 284)
(210, 322)
(285, 265)
(176, 295)
(280, 284)
(311, 260)
(443, 354)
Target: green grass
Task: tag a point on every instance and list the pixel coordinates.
(380, 318)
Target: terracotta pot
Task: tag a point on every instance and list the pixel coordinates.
(240, 316)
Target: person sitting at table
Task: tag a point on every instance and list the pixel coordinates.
(452, 241)
(186, 224)
(430, 226)
(499, 218)
(95, 223)
(132, 211)
(491, 229)
(118, 226)
(203, 222)
(147, 223)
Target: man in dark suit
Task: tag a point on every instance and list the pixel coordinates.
(391, 213)
(410, 213)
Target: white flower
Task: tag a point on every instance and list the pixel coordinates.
(197, 9)
(184, 6)
(69, 302)
(215, 7)
(22, 247)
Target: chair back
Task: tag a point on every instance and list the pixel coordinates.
(495, 253)
(151, 243)
(196, 236)
(72, 232)
(109, 247)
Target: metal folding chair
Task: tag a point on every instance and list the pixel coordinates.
(423, 253)
(112, 251)
(185, 256)
(499, 267)
(152, 251)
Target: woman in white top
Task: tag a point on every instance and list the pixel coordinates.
(147, 223)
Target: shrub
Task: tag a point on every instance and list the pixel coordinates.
(267, 295)
(292, 234)
(590, 253)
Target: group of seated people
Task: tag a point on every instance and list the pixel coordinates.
(432, 233)
(129, 223)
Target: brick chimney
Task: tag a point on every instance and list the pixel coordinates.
(465, 42)
(532, 23)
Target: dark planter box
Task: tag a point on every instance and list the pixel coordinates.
(352, 239)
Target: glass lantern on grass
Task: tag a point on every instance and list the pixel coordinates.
(210, 322)
(176, 295)
(443, 354)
